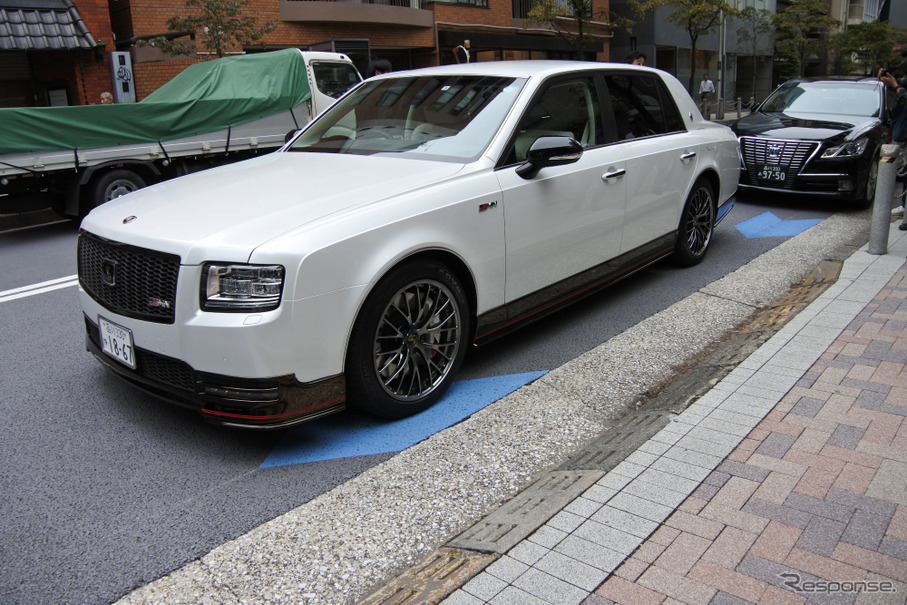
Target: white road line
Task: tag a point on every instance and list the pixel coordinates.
(47, 286)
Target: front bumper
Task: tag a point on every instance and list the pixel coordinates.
(265, 403)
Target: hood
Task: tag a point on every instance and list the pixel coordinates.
(813, 127)
(235, 208)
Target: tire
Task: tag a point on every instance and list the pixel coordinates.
(112, 184)
(872, 178)
(408, 342)
(697, 224)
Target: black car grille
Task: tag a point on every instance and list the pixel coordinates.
(130, 281)
(790, 155)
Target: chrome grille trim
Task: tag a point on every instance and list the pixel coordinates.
(792, 155)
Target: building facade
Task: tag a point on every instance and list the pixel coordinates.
(110, 49)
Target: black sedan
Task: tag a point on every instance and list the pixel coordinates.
(817, 137)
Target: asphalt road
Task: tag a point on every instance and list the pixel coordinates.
(104, 489)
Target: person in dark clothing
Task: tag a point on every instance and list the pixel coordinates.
(378, 67)
(898, 119)
(636, 58)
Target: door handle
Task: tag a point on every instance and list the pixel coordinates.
(688, 155)
(613, 174)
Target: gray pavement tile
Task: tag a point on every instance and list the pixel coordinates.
(706, 461)
(876, 401)
(654, 447)
(528, 552)
(776, 445)
(514, 596)
(713, 448)
(485, 586)
(718, 477)
(738, 430)
(771, 572)
(583, 507)
(836, 511)
(599, 493)
(549, 589)
(808, 407)
(572, 571)
(656, 492)
(866, 529)
(867, 385)
(614, 481)
(594, 599)
(641, 507)
(668, 480)
(460, 597)
(821, 536)
(681, 468)
(775, 512)
(608, 536)
(548, 536)
(706, 492)
(624, 521)
(565, 521)
(859, 501)
(846, 436)
(596, 555)
(894, 547)
(507, 569)
(725, 598)
(739, 469)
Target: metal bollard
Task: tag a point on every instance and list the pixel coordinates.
(739, 104)
(881, 209)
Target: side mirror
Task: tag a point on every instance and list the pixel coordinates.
(550, 151)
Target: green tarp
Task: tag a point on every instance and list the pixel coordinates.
(205, 97)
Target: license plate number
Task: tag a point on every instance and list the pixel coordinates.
(116, 341)
(771, 173)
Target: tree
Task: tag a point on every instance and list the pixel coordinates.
(220, 25)
(757, 24)
(697, 17)
(571, 20)
(802, 30)
(868, 46)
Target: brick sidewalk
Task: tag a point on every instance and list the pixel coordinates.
(816, 493)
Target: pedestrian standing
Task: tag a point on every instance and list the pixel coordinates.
(706, 87)
(898, 123)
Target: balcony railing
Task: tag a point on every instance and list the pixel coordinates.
(403, 3)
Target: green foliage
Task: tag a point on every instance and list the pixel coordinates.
(867, 46)
(801, 31)
(220, 25)
(569, 20)
(696, 17)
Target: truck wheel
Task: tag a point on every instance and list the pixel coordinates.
(112, 185)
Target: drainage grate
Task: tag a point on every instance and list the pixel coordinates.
(526, 512)
(433, 580)
(613, 446)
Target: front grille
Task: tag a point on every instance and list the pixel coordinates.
(791, 155)
(130, 281)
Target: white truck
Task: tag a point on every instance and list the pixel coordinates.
(72, 159)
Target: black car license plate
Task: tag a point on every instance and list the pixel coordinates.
(771, 173)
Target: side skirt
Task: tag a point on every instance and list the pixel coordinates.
(530, 308)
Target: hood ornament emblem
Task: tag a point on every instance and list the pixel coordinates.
(129, 219)
(774, 154)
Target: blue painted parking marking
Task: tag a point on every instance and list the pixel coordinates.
(346, 436)
(769, 225)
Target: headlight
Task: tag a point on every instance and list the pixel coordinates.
(846, 150)
(241, 288)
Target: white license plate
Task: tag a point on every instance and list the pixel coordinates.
(116, 341)
(771, 173)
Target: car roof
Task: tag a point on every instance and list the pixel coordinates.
(842, 81)
(517, 69)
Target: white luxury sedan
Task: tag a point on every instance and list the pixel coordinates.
(425, 212)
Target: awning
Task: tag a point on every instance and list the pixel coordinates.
(42, 25)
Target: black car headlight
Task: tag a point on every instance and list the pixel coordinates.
(241, 288)
(847, 150)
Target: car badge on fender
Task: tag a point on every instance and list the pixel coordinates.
(129, 219)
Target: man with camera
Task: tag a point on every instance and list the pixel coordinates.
(898, 120)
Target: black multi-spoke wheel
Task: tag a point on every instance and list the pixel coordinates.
(408, 342)
(697, 223)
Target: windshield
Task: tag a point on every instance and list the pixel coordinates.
(806, 97)
(435, 117)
